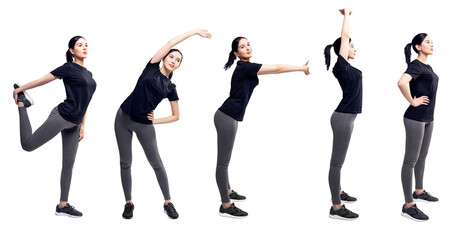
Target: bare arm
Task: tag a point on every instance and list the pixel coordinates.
(176, 40)
(344, 49)
(283, 68)
(404, 86)
(174, 117)
(36, 83)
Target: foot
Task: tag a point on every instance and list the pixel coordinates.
(68, 211)
(343, 213)
(414, 213)
(235, 197)
(424, 197)
(128, 212)
(23, 97)
(232, 212)
(345, 198)
(169, 209)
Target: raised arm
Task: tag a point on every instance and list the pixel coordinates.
(174, 105)
(404, 86)
(36, 83)
(283, 68)
(176, 40)
(344, 49)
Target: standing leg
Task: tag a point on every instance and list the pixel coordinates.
(124, 138)
(70, 144)
(342, 125)
(226, 128)
(414, 138)
(419, 167)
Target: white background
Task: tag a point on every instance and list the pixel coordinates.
(281, 156)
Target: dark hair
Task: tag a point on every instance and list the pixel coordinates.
(72, 41)
(181, 58)
(327, 51)
(417, 40)
(234, 48)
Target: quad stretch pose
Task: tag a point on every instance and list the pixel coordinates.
(243, 82)
(342, 120)
(418, 85)
(68, 118)
(136, 115)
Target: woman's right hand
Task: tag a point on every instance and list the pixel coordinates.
(15, 95)
(204, 33)
(345, 10)
(306, 69)
(423, 100)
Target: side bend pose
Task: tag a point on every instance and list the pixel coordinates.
(418, 85)
(68, 118)
(342, 120)
(243, 82)
(136, 115)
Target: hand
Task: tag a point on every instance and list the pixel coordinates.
(81, 132)
(423, 100)
(15, 95)
(345, 10)
(150, 116)
(203, 33)
(306, 69)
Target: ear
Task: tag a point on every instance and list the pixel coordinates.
(418, 47)
(71, 51)
(236, 53)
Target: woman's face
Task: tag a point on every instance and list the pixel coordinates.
(352, 51)
(426, 46)
(244, 50)
(172, 61)
(80, 49)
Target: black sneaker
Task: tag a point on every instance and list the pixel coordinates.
(23, 97)
(68, 210)
(345, 198)
(128, 212)
(169, 209)
(232, 211)
(343, 213)
(235, 197)
(414, 213)
(424, 197)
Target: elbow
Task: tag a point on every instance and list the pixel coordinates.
(278, 69)
(176, 118)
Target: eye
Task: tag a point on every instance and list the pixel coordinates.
(178, 60)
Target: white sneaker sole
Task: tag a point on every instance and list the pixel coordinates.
(348, 202)
(66, 215)
(341, 218)
(412, 218)
(422, 200)
(236, 200)
(231, 216)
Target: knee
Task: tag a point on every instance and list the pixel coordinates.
(156, 165)
(28, 147)
(125, 165)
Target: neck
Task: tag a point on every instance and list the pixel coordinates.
(422, 58)
(79, 61)
(244, 59)
(164, 71)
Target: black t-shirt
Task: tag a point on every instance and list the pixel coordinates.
(243, 82)
(80, 87)
(350, 79)
(424, 83)
(151, 88)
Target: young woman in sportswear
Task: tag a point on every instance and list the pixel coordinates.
(418, 85)
(342, 120)
(68, 118)
(243, 82)
(136, 115)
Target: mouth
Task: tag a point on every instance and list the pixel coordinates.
(85, 53)
(249, 53)
(171, 66)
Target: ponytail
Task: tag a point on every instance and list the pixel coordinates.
(408, 53)
(72, 41)
(327, 54)
(232, 56)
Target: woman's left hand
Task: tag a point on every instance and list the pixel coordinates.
(81, 132)
(306, 68)
(150, 116)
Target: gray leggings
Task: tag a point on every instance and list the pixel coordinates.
(53, 125)
(124, 128)
(226, 128)
(418, 138)
(342, 125)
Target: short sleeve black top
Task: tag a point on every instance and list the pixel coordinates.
(151, 88)
(80, 87)
(424, 83)
(350, 79)
(243, 82)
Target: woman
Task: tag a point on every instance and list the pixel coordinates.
(136, 115)
(68, 118)
(342, 120)
(418, 85)
(243, 82)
